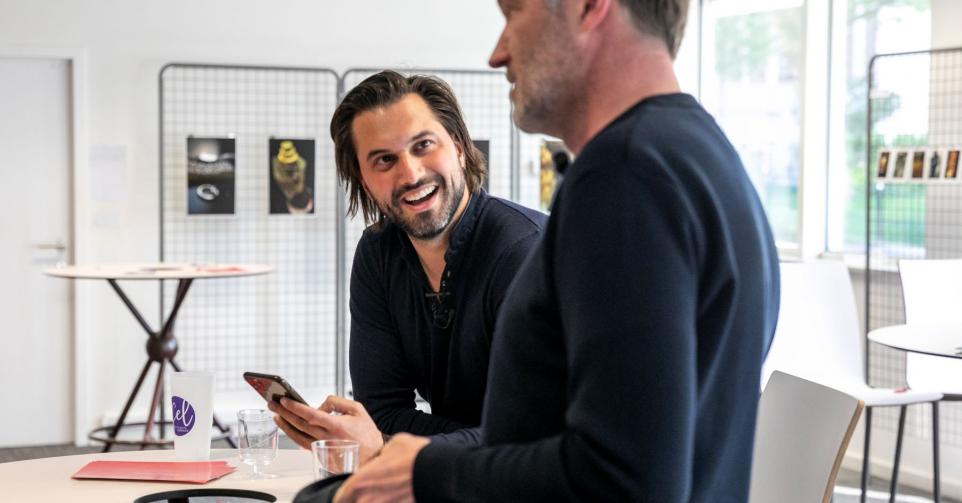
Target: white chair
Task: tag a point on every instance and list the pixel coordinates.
(932, 294)
(802, 432)
(818, 338)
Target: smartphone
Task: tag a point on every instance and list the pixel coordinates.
(272, 387)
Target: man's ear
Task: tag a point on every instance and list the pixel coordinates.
(593, 13)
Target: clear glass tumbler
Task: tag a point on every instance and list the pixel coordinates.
(257, 440)
(334, 457)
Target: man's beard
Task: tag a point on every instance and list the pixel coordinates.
(431, 223)
(543, 98)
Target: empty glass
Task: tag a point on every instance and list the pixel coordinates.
(257, 440)
(333, 457)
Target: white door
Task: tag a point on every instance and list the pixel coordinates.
(35, 332)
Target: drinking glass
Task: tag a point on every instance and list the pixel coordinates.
(333, 457)
(257, 440)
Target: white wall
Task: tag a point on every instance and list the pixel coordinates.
(127, 42)
(945, 23)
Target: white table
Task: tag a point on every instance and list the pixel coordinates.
(48, 479)
(936, 340)
(161, 344)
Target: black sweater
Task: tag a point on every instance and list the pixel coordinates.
(627, 356)
(397, 346)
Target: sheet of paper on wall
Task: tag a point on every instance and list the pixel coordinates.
(108, 173)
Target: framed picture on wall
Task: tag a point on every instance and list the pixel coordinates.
(933, 164)
(291, 175)
(901, 159)
(210, 175)
(883, 164)
(951, 164)
(918, 164)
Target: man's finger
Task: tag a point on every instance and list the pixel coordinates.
(308, 427)
(291, 416)
(342, 405)
(309, 416)
(297, 436)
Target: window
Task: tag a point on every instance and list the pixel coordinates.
(753, 80)
(870, 27)
(752, 58)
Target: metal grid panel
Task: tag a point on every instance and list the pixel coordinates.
(483, 96)
(283, 322)
(915, 104)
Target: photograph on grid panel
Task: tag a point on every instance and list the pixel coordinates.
(210, 176)
(291, 176)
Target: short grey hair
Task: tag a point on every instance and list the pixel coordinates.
(664, 19)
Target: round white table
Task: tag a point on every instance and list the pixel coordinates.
(48, 479)
(161, 343)
(936, 340)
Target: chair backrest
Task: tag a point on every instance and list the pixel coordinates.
(932, 293)
(801, 435)
(817, 336)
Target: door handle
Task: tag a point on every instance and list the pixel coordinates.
(56, 245)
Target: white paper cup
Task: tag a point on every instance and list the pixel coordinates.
(192, 410)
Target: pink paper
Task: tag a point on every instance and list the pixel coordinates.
(193, 472)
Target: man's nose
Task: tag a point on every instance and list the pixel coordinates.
(411, 169)
(499, 56)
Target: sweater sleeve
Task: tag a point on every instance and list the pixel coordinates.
(380, 373)
(621, 261)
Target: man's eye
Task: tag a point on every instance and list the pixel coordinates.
(384, 161)
(423, 144)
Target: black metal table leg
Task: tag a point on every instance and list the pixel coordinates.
(161, 348)
(894, 484)
(155, 399)
(131, 307)
(130, 401)
(161, 344)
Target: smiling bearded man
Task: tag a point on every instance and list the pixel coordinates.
(429, 274)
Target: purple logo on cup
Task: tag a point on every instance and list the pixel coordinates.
(183, 416)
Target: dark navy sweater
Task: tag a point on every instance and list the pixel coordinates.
(626, 359)
(403, 340)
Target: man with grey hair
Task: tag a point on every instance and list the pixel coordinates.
(626, 361)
